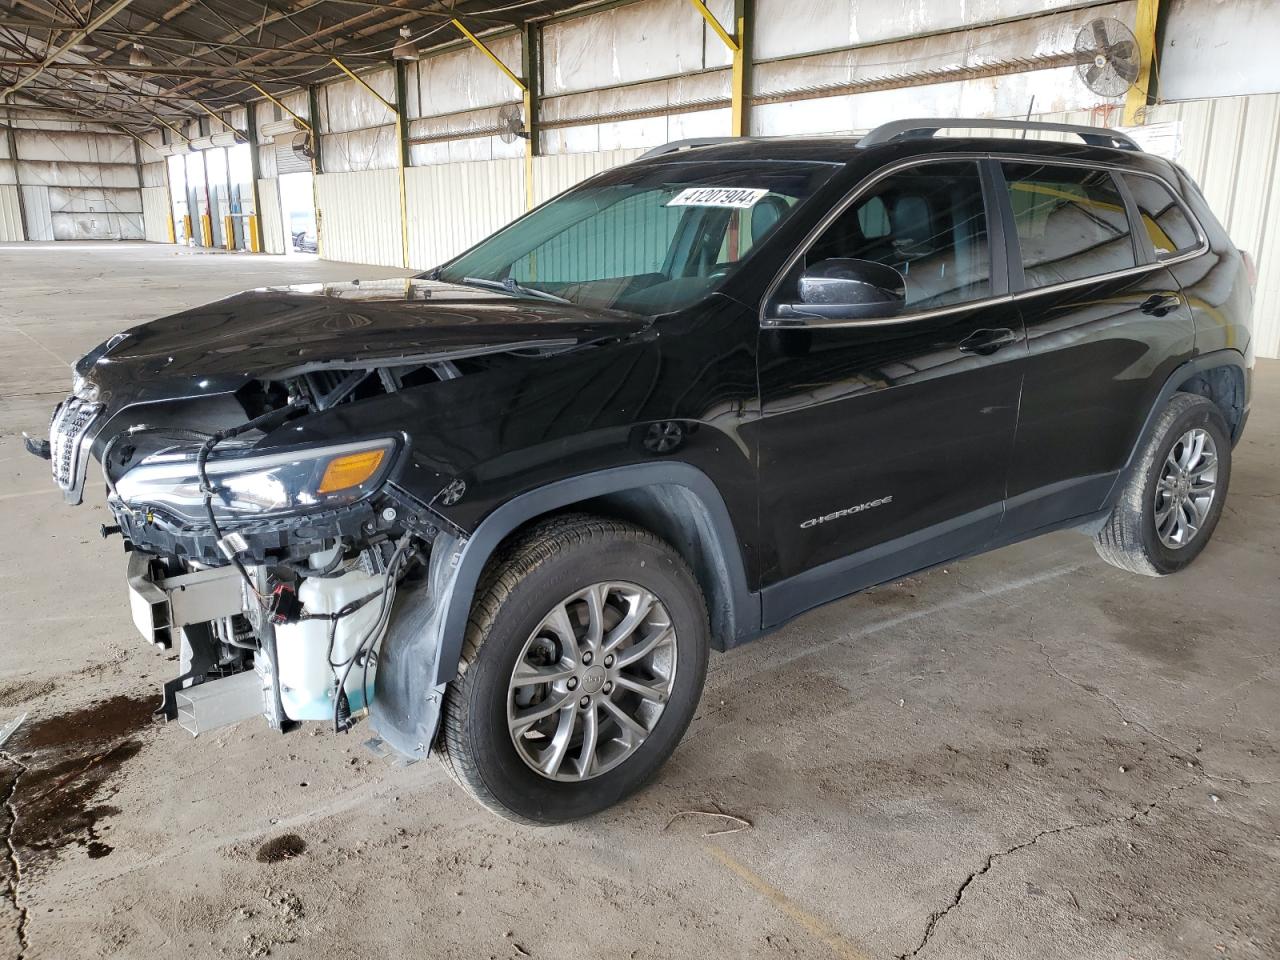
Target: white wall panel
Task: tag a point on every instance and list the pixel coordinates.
(464, 79)
(35, 201)
(273, 239)
(155, 214)
(787, 27)
(40, 213)
(153, 174)
(1231, 146)
(1221, 49)
(10, 215)
(631, 43)
(555, 174)
(360, 217)
(347, 105)
(452, 206)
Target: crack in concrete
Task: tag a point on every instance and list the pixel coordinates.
(14, 887)
(938, 916)
(1115, 704)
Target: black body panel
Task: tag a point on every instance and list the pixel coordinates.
(963, 447)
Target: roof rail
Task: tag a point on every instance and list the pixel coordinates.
(929, 126)
(689, 144)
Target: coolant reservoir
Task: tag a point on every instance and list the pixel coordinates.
(308, 683)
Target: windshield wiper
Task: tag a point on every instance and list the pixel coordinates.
(515, 288)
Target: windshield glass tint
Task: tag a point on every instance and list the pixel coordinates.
(647, 239)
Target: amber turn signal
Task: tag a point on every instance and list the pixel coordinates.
(350, 470)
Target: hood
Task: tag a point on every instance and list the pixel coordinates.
(286, 331)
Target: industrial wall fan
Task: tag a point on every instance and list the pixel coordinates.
(511, 124)
(304, 146)
(1107, 59)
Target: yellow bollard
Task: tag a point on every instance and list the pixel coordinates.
(229, 232)
(206, 229)
(253, 233)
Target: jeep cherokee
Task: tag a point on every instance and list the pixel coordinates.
(504, 509)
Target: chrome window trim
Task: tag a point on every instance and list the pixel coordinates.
(1202, 238)
(870, 181)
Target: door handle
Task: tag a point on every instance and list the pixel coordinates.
(1158, 304)
(987, 341)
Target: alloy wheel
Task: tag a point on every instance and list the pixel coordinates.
(591, 681)
(1187, 486)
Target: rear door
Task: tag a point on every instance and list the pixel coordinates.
(1106, 324)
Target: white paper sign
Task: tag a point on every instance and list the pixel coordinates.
(737, 197)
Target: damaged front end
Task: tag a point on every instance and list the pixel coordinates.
(281, 466)
(272, 569)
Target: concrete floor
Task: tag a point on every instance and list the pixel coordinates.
(1030, 754)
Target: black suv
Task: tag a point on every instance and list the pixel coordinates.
(506, 508)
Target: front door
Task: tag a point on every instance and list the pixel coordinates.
(885, 443)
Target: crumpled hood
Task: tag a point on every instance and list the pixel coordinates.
(284, 331)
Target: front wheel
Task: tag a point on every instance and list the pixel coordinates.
(583, 663)
(1171, 501)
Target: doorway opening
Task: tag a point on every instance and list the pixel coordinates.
(298, 214)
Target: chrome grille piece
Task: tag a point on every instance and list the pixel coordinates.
(68, 451)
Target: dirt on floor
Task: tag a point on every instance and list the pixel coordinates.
(1025, 755)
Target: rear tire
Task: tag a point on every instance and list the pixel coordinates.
(571, 613)
(1171, 501)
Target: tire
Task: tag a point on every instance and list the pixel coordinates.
(1130, 538)
(518, 596)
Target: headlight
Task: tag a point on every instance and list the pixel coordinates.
(260, 486)
(84, 389)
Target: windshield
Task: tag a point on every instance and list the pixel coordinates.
(645, 239)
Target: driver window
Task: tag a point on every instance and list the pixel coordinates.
(928, 222)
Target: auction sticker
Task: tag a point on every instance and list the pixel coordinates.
(738, 197)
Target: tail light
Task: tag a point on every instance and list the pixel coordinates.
(1251, 270)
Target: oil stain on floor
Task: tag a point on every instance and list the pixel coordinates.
(65, 766)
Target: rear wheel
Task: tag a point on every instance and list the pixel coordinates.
(583, 664)
(1172, 500)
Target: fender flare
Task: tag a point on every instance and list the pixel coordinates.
(423, 646)
(499, 524)
(1180, 375)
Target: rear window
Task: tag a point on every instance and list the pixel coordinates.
(1071, 222)
(1164, 220)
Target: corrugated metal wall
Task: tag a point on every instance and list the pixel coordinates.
(454, 205)
(10, 214)
(359, 215)
(155, 214)
(555, 174)
(92, 181)
(39, 213)
(272, 224)
(1232, 148)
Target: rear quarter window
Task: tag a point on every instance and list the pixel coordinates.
(1166, 223)
(1071, 222)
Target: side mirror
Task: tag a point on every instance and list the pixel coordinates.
(846, 289)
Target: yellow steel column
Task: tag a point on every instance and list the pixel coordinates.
(1144, 28)
(530, 64)
(739, 46)
(527, 90)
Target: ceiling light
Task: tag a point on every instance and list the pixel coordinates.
(138, 57)
(99, 79)
(83, 47)
(405, 49)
